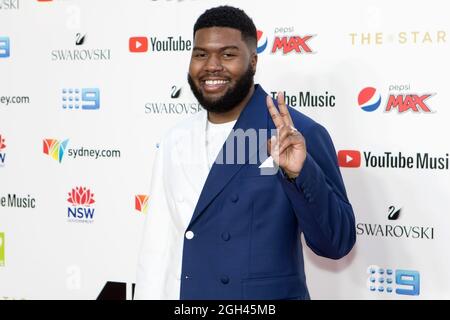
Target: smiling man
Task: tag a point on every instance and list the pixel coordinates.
(224, 229)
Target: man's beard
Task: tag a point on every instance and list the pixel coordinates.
(232, 97)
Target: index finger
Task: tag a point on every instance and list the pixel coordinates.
(284, 112)
(276, 117)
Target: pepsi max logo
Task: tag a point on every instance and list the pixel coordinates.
(262, 42)
(369, 99)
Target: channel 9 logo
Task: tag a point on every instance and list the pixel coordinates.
(400, 281)
(4, 47)
(81, 98)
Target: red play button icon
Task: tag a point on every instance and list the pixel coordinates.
(138, 44)
(349, 158)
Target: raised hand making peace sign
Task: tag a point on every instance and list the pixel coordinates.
(288, 148)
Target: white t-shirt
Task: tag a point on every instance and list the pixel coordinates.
(216, 135)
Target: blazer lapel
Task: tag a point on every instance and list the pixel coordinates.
(191, 157)
(255, 117)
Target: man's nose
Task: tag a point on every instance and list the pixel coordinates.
(213, 64)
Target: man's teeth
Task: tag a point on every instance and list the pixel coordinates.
(215, 82)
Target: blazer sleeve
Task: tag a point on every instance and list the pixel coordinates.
(154, 255)
(319, 199)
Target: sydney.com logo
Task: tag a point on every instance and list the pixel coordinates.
(56, 149)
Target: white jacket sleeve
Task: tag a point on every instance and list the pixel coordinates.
(156, 278)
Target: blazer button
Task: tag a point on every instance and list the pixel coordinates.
(189, 235)
(225, 236)
(224, 279)
(234, 198)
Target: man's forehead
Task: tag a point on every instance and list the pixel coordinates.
(230, 36)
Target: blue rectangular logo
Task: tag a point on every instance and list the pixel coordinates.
(85, 98)
(4, 47)
(400, 281)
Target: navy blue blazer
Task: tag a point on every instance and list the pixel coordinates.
(247, 226)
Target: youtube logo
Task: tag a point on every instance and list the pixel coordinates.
(138, 44)
(349, 158)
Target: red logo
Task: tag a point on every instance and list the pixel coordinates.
(349, 158)
(141, 203)
(405, 102)
(288, 44)
(81, 196)
(138, 44)
(2, 142)
(262, 42)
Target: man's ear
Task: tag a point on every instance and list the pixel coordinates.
(254, 61)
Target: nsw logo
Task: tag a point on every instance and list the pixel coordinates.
(81, 200)
(369, 99)
(2, 149)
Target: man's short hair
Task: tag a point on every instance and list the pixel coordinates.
(229, 17)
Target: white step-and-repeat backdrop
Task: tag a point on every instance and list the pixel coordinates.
(88, 88)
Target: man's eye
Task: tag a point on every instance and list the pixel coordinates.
(200, 55)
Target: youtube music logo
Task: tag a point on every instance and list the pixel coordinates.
(138, 44)
(394, 160)
(349, 158)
